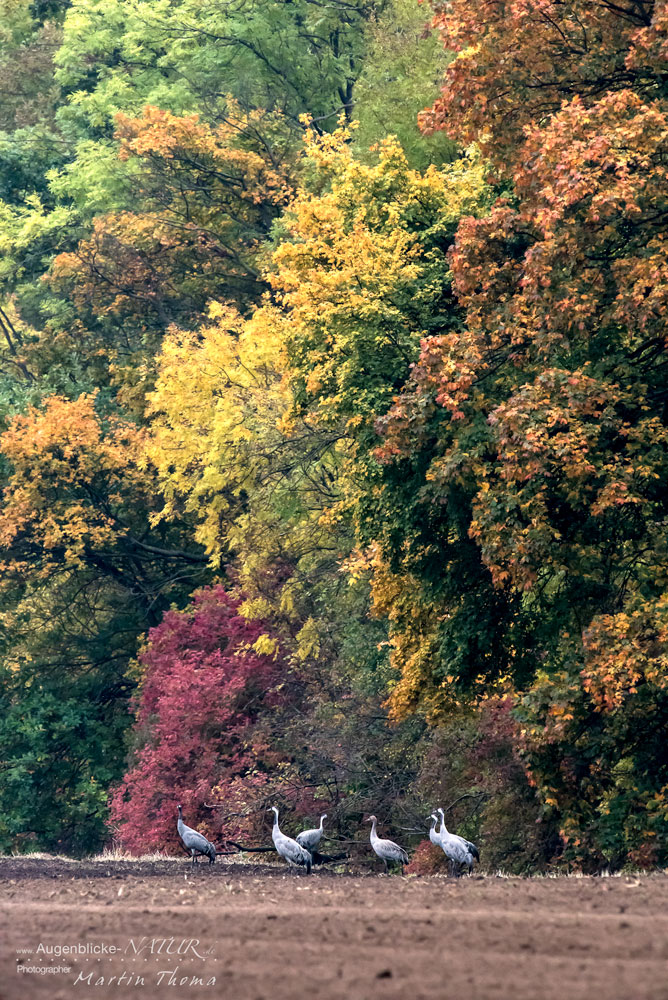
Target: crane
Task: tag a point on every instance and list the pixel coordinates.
(310, 839)
(471, 848)
(295, 855)
(386, 850)
(459, 850)
(195, 842)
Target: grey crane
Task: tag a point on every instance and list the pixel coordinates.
(386, 850)
(195, 842)
(459, 850)
(295, 855)
(454, 849)
(310, 839)
(433, 835)
(471, 848)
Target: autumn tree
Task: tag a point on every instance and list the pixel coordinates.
(515, 66)
(74, 500)
(82, 577)
(541, 431)
(362, 274)
(205, 199)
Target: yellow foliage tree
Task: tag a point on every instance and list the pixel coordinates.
(76, 502)
(262, 428)
(363, 274)
(224, 456)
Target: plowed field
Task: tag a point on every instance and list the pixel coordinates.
(137, 929)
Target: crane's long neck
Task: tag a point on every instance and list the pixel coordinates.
(373, 829)
(276, 827)
(433, 824)
(444, 828)
(321, 819)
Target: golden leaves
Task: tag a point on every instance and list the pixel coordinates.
(218, 398)
(64, 461)
(625, 651)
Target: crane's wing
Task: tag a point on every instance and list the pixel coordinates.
(308, 839)
(298, 854)
(455, 848)
(194, 840)
(392, 851)
(471, 848)
(291, 850)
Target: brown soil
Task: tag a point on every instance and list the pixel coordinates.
(267, 935)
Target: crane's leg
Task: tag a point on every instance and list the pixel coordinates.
(387, 870)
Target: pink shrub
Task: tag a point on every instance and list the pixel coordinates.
(199, 726)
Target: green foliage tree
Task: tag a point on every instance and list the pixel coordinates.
(401, 74)
(63, 719)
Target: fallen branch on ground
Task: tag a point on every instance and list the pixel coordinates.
(318, 859)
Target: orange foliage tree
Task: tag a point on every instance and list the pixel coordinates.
(82, 576)
(206, 197)
(76, 501)
(517, 63)
(540, 434)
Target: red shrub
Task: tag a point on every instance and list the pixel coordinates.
(428, 859)
(199, 714)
